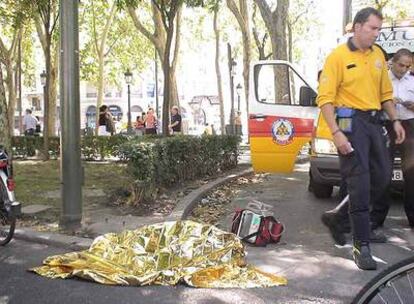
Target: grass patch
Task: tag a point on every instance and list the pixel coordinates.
(38, 182)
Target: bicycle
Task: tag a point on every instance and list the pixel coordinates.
(9, 208)
(395, 284)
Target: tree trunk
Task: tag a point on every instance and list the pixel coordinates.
(53, 93)
(246, 64)
(5, 130)
(11, 105)
(174, 98)
(290, 43)
(160, 41)
(242, 16)
(347, 17)
(218, 72)
(100, 88)
(46, 110)
(100, 50)
(167, 80)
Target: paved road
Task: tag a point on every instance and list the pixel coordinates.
(318, 272)
(20, 286)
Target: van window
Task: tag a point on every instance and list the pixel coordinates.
(277, 84)
(272, 84)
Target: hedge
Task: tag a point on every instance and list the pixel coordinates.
(171, 160)
(92, 147)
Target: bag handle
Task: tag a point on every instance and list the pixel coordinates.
(274, 221)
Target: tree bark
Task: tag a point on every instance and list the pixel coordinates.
(242, 16)
(218, 72)
(167, 83)
(53, 91)
(276, 23)
(5, 130)
(8, 97)
(347, 16)
(11, 92)
(45, 22)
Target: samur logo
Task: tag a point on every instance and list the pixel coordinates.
(283, 131)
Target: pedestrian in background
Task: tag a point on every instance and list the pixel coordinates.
(29, 123)
(106, 122)
(139, 126)
(175, 125)
(150, 122)
(403, 85)
(353, 89)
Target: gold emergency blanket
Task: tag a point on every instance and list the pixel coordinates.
(163, 254)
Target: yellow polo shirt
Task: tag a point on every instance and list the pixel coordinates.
(355, 79)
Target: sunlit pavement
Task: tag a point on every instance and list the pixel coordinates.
(318, 271)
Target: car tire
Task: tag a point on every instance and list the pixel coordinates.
(319, 190)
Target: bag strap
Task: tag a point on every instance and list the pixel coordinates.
(250, 235)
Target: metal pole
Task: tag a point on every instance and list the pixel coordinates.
(129, 127)
(156, 83)
(238, 102)
(71, 169)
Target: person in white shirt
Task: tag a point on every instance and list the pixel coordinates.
(403, 87)
(29, 123)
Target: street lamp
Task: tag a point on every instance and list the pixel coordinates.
(128, 80)
(43, 77)
(238, 91)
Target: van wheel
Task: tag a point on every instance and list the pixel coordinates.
(320, 190)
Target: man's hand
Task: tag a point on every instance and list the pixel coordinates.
(342, 143)
(410, 107)
(399, 132)
(396, 100)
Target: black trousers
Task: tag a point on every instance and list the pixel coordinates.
(379, 212)
(367, 170)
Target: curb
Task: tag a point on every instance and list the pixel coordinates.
(52, 239)
(185, 206)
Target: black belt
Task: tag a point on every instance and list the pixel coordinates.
(373, 116)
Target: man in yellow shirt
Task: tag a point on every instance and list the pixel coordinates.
(354, 87)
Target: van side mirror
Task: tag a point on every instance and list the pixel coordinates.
(307, 97)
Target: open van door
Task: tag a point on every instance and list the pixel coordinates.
(282, 111)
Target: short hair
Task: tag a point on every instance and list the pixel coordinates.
(29, 111)
(102, 108)
(362, 15)
(400, 53)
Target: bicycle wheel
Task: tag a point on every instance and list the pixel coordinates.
(393, 285)
(7, 222)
